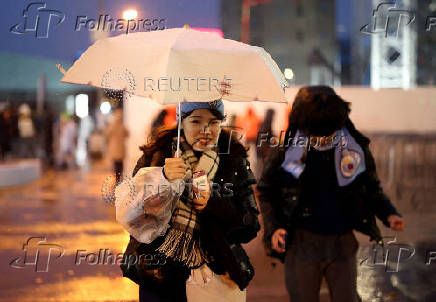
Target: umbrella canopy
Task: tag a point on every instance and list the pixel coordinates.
(180, 64)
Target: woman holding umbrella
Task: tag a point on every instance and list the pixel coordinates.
(204, 229)
(199, 256)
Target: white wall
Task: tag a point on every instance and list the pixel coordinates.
(385, 110)
(138, 116)
(392, 110)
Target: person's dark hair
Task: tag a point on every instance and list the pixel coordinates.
(318, 111)
(159, 120)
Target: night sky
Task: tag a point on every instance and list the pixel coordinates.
(65, 43)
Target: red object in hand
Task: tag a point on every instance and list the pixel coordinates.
(198, 174)
(199, 181)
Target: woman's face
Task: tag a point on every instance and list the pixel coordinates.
(202, 129)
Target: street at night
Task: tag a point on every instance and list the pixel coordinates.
(218, 151)
(66, 209)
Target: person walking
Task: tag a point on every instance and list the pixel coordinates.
(196, 253)
(263, 148)
(249, 124)
(5, 138)
(116, 135)
(67, 142)
(315, 190)
(27, 132)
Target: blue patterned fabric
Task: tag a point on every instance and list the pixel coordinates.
(191, 106)
(349, 157)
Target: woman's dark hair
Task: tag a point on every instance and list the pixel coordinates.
(318, 111)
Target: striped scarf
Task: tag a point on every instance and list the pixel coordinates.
(182, 242)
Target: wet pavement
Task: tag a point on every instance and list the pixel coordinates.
(66, 210)
(65, 219)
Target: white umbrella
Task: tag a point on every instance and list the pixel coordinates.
(180, 64)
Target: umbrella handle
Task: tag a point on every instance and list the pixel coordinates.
(178, 131)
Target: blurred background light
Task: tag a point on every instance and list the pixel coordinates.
(69, 105)
(82, 105)
(105, 107)
(130, 14)
(289, 74)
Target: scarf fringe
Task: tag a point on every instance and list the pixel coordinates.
(182, 242)
(181, 247)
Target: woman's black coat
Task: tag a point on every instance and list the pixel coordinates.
(229, 219)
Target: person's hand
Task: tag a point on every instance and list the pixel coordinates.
(201, 196)
(278, 240)
(396, 223)
(174, 168)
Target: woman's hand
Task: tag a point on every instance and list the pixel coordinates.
(278, 240)
(174, 168)
(201, 196)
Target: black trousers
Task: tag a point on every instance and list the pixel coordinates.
(174, 292)
(310, 257)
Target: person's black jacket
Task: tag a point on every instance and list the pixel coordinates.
(229, 219)
(280, 202)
